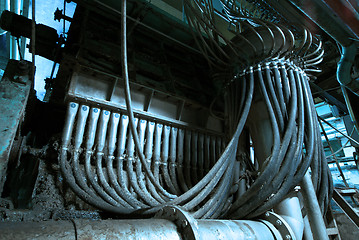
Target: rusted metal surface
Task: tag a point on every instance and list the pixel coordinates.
(14, 90)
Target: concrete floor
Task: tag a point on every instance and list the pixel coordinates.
(347, 229)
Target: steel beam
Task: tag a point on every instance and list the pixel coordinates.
(345, 206)
(326, 18)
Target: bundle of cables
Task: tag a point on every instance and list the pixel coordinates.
(267, 63)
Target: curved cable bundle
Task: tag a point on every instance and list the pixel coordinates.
(123, 164)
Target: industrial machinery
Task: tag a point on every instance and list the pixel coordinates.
(184, 119)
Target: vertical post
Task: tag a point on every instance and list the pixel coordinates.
(33, 29)
(15, 8)
(313, 210)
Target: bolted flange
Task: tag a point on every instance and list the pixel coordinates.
(186, 224)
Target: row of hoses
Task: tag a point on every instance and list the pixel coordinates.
(99, 161)
(103, 162)
(93, 156)
(125, 178)
(254, 39)
(284, 89)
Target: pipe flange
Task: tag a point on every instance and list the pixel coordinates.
(280, 224)
(186, 224)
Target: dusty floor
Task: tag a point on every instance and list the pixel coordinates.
(347, 229)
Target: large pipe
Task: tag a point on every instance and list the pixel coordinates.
(289, 209)
(136, 229)
(345, 64)
(314, 214)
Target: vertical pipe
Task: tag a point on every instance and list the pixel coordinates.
(172, 159)
(194, 159)
(101, 139)
(180, 166)
(150, 159)
(207, 149)
(112, 137)
(314, 214)
(69, 123)
(200, 169)
(164, 158)
(142, 134)
(289, 209)
(157, 150)
(218, 147)
(121, 146)
(187, 158)
(15, 8)
(94, 116)
(134, 178)
(213, 156)
(33, 29)
(78, 139)
(121, 183)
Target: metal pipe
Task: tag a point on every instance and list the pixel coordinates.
(345, 64)
(119, 183)
(194, 159)
(112, 136)
(200, 164)
(78, 139)
(314, 214)
(187, 158)
(164, 158)
(148, 155)
(157, 151)
(180, 167)
(307, 234)
(137, 229)
(134, 178)
(289, 209)
(172, 159)
(15, 7)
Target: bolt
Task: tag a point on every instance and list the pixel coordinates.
(184, 223)
(267, 214)
(279, 222)
(288, 237)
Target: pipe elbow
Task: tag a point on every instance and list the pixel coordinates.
(345, 64)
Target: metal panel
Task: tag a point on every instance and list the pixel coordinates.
(14, 91)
